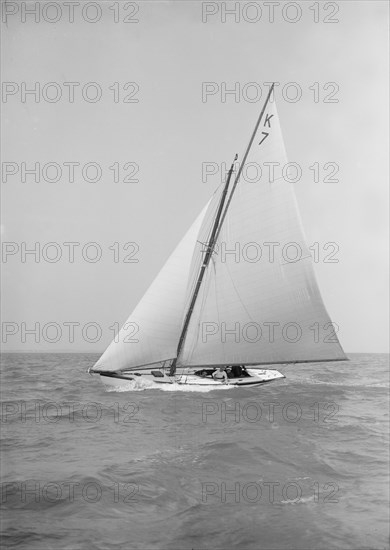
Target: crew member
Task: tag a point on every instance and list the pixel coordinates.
(220, 375)
(237, 371)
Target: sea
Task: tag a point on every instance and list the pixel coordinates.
(300, 463)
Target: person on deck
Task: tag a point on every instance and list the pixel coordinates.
(236, 371)
(220, 375)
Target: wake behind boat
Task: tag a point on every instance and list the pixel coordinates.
(210, 319)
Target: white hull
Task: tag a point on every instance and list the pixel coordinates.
(254, 377)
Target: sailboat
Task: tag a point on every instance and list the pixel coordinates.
(219, 314)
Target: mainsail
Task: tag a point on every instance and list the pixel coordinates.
(259, 301)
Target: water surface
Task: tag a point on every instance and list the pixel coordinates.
(301, 463)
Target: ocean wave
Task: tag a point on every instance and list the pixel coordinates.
(165, 476)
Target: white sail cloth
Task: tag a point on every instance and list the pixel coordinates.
(152, 331)
(259, 301)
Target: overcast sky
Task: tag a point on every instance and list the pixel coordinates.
(168, 133)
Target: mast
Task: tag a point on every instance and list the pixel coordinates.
(208, 255)
(219, 219)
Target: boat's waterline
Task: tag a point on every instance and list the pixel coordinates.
(156, 378)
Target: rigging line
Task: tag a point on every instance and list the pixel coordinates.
(198, 254)
(244, 160)
(231, 196)
(238, 295)
(216, 296)
(216, 289)
(203, 268)
(296, 261)
(206, 290)
(220, 216)
(277, 179)
(197, 260)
